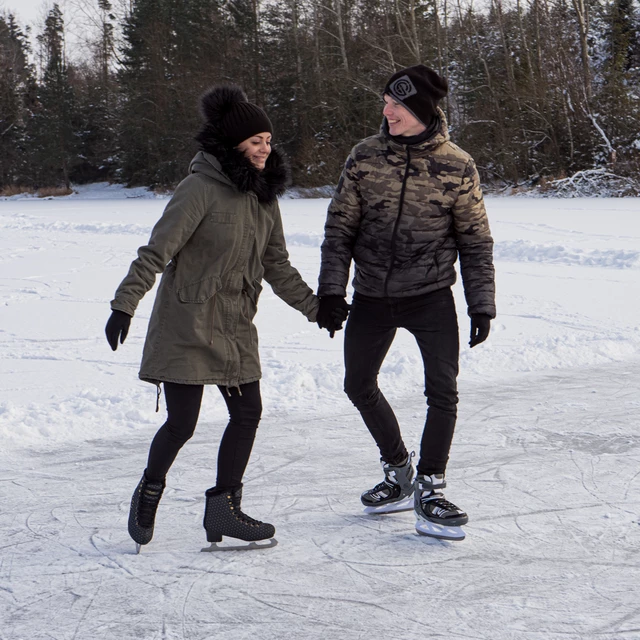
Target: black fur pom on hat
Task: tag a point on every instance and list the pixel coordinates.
(226, 109)
(419, 89)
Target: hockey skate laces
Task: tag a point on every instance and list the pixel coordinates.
(441, 502)
(382, 486)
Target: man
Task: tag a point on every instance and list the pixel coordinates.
(408, 204)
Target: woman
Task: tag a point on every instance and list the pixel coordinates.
(218, 237)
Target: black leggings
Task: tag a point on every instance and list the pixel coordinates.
(183, 407)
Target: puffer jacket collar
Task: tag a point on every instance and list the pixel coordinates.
(422, 148)
(232, 167)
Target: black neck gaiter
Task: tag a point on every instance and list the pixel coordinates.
(429, 132)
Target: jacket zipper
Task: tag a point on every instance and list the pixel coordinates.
(395, 226)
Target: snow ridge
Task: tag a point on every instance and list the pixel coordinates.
(33, 225)
(527, 251)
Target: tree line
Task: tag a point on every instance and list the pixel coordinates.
(539, 89)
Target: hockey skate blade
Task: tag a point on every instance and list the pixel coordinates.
(138, 548)
(257, 544)
(403, 505)
(439, 531)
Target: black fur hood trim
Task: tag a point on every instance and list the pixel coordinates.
(267, 184)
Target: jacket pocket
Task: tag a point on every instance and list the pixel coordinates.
(253, 292)
(200, 291)
(250, 294)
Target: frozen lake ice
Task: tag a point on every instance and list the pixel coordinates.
(545, 459)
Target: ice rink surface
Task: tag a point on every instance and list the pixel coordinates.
(545, 459)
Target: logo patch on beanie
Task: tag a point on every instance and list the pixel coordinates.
(402, 88)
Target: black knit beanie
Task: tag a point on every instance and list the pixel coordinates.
(234, 119)
(419, 89)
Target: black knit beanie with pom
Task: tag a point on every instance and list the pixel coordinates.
(229, 114)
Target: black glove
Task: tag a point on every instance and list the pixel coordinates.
(480, 327)
(117, 327)
(332, 312)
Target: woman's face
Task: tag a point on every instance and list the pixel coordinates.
(257, 149)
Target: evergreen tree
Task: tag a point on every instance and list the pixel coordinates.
(616, 100)
(53, 140)
(542, 88)
(97, 116)
(622, 34)
(16, 84)
(173, 51)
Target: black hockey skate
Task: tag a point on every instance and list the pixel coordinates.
(436, 516)
(395, 492)
(142, 514)
(223, 517)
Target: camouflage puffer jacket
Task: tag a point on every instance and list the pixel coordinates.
(403, 214)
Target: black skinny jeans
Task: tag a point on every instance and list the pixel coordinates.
(369, 332)
(183, 407)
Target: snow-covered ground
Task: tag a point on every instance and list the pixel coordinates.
(545, 460)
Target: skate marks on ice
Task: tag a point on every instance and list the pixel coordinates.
(78, 575)
(546, 466)
(548, 474)
(551, 472)
(540, 465)
(69, 569)
(72, 570)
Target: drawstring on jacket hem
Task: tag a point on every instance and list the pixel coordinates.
(158, 392)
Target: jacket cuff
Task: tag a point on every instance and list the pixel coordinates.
(313, 312)
(331, 290)
(486, 309)
(119, 305)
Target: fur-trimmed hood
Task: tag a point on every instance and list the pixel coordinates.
(267, 184)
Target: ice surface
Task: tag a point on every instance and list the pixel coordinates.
(545, 459)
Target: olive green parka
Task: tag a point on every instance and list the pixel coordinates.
(220, 235)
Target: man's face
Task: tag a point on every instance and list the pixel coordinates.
(401, 121)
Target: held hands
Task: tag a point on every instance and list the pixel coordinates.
(332, 312)
(480, 327)
(117, 327)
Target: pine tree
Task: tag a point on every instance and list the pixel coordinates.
(614, 109)
(53, 143)
(538, 88)
(16, 83)
(173, 51)
(96, 95)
